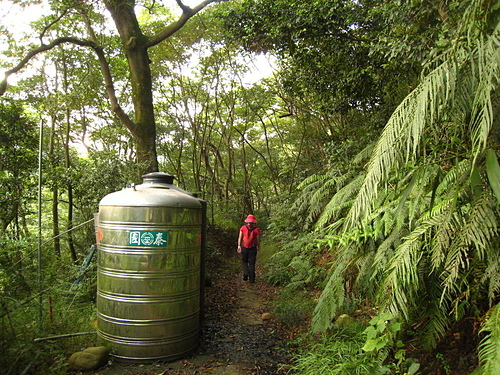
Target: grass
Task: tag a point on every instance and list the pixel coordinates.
(338, 352)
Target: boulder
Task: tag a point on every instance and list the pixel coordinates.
(89, 359)
(343, 321)
(266, 316)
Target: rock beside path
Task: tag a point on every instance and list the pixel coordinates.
(266, 317)
(89, 359)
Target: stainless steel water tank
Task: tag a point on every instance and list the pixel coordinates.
(149, 270)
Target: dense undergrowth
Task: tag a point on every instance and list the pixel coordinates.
(34, 309)
(360, 340)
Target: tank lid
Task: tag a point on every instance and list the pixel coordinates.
(157, 178)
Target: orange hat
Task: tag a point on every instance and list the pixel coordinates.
(250, 219)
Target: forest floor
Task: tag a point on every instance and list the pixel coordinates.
(235, 339)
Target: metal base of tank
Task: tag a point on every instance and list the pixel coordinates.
(148, 351)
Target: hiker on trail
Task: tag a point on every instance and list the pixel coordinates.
(248, 246)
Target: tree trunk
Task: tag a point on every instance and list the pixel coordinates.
(69, 225)
(142, 89)
(55, 192)
(247, 202)
(135, 45)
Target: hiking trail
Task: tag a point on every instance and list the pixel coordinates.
(235, 338)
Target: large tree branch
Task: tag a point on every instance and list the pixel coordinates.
(47, 27)
(187, 13)
(36, 51)
(110, 90)
(108, 79)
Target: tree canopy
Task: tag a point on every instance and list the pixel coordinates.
(83, 20)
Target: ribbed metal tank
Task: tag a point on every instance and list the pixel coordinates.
(149, 270)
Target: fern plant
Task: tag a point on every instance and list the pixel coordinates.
(489, 352)
(417, 231)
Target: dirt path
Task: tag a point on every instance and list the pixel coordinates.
(235, 339)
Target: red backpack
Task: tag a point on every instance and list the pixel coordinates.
(249, 236)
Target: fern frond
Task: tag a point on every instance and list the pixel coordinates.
(317, 191)
(337, 202)
(414, 227)
(454, 178)
(487, 68)
(402, 279)
(330, 301)
(489, 349)
(364, 154)
(438, 321)
(491, 274)
(441, 239)
(314, 190)
(414, 195)
(385, 251)
(426, 104)
(475, 235)
(402, 282)
(402, 134)
(312, 179)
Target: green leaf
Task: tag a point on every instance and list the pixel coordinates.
(400, 354)
(406, 192)
(386, 316)
(493, 171)
(370, 332)
(396, 327)
(382, 341)
(381, 326)
(374, 344)
(370, 345)
(413, 368)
